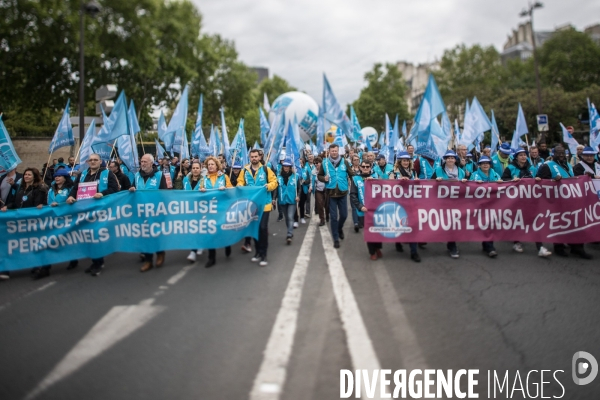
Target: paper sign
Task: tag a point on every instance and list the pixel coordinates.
(87, 190)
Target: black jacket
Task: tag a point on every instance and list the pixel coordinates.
(113, 184)
(30, 197)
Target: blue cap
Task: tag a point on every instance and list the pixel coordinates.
(484, 159)
(237, 165)
(61, 172)
(287, 162)
(469, 155)
(520, 150)
(403, 155)
(381, 156)
(589, 151)
(505, 148)
(450, 153)
(487, 146)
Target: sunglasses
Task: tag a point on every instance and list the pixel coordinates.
(365, 166)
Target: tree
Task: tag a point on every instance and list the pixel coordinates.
(466, 72)
(273, 87)
(569, 59)
(384, 94)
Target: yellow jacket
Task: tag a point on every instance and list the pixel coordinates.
(271, 181)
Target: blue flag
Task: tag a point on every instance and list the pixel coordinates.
(8, 156)
(495, 134)
(239, 148)
(277, 141)
(117, 124)
(356, 134)
(404, 132)
(198, 139)
(292, 151)
(520, 130)
(256, 146)
(160, 151)
(176, 127)
(85, 150)
(226, 145)
(264, 126)
(128, 151)
(332, 110)
(476, 122)
(162, 132)
(594, 126)
(133, 120)
(431, 106)
(64, 133)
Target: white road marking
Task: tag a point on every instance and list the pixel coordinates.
(361, 349)
(270, 379)
(178, 276)
(410, 351)
(41, 288)
(117, 324)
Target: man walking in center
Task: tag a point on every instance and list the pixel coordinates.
(335, 172)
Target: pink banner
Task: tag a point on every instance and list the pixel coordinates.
(530, 211)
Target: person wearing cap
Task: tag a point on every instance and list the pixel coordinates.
(235, 173)
(357, 198)
(147, 178)
(335, 172)
(288, 190)
(587, 166)
(277, 170)
(485, 173)
(256, 174)
(107, 185)
(446, 171)
(404, 170)
(501, 159)
(382, 170)
(519, 168)
(214, 179)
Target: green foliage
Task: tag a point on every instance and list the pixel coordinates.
(273, 87)
(383, 94)
(566, 61)
(569, 60)
(149, 48)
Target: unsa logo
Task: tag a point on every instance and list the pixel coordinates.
(240, 214)
(390, 220)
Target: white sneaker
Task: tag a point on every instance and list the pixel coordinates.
(544, 252)
(4, 276)
(199, 252)
(256, 258)
(295, 224)
(192, 256)
(302, 221)
(518, 248)
(263, 262)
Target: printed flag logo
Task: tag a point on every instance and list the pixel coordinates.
(390, 220)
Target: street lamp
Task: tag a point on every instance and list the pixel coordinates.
(528, 12)
(91, 8)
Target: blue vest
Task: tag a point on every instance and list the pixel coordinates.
(59, 197)
(287, 193)
(497, 165)
(382, 173)
(556, 169)
(426, 171)
(516, 172)
(187, 184)
(127, 172)
(306, 178)
(480, 176)
(260, 179)
(102, 182)
(151, 184)
(337, 176)
(468, 166)
(360, 186)
(441, 173)
(219, 182)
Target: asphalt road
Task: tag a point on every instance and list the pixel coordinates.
(284, 331)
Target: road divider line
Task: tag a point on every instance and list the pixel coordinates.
(360, 346)
(116, 325)
(269, 381)
(410, 351)
(178, 276)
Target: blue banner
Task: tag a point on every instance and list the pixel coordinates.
(141, 221)
(64, 133)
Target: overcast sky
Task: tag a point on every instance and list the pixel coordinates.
(299, 40)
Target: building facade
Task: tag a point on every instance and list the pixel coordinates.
(416, 77)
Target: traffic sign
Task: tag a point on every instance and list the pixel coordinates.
(542, 122)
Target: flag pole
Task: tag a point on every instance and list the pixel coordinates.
(47, 166)
(76, 158)
(232, 162)
(142, 142)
